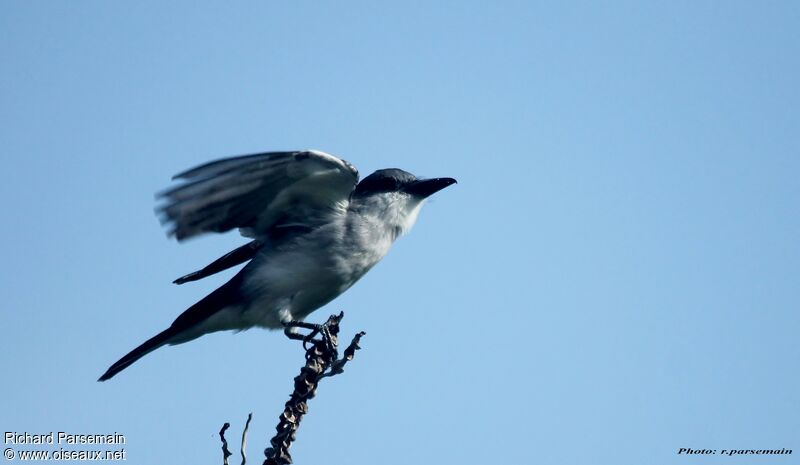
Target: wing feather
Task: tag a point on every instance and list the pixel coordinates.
(216, 167)
(256, 192)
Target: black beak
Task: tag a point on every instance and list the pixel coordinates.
(427, 187)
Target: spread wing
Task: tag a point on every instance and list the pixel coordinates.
(260, 194)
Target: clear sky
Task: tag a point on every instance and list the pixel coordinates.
(616, 275)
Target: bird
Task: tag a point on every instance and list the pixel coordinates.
(314, 229)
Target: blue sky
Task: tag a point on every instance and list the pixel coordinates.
(616, 275)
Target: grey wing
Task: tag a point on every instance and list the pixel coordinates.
(258, 193)
(229, 260)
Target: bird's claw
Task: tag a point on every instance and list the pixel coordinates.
(323, 330)
(330, 343)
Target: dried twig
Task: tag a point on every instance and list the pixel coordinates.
(244, 438)
(337, 367)
(321, 361)
(225, 452)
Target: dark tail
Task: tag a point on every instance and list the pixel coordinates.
(148, 346)
(225, 295)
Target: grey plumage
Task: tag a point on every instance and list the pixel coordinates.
(316, 230)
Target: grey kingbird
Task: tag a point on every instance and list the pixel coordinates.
(315, 231)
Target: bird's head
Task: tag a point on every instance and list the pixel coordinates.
(395, 196)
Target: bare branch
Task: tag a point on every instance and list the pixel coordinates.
(225, 452)
(337, 367)
(244, 438)
(321, 361)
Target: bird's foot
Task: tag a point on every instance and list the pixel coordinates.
(327, 332)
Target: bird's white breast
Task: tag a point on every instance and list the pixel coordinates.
(297, 278)
(294, 281)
